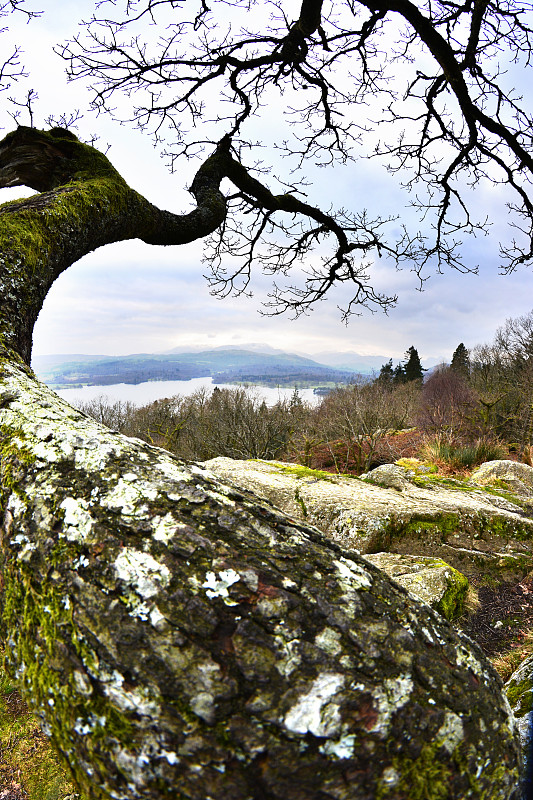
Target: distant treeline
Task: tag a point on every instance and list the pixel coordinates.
(475, 408)
(229, 366)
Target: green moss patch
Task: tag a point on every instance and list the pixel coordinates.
(438, 526)
(417, 466)
(28, 760)
(425, 481)
(299, 499)
(452, 603)
(520, 696)
(298, 471)
(425, 778)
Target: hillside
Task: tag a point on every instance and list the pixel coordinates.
(223, 365)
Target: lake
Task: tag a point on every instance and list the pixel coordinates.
(143, 393)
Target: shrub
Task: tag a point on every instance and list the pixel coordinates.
(458, 455)
(353, 422)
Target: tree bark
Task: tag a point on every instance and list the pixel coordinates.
(176, 637)
(84, 204)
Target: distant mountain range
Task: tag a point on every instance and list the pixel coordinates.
(251, 363)
(347, 360)
(224, 365)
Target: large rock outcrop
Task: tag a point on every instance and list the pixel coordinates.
(179, 637)
(511, 476)
(479, 530)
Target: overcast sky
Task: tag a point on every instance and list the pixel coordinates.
(131, 297)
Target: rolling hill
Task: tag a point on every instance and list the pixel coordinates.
(224, 365)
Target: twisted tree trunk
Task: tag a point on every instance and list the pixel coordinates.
(177, 638)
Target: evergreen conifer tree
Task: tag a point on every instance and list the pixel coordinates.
(386, 373)
(461, 361)
(399, 374)
(413, 368)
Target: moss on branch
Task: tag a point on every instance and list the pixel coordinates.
(84, 203)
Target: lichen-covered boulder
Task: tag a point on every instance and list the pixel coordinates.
(178, 637)
(519, 690)
(389, 476)
(478, 530)
(430, 579)
(181, 638)
(512, 475)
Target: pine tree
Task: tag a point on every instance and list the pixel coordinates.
(399, 374)
(461, 361)
(386, 373)
(295, 402)
(413, 367)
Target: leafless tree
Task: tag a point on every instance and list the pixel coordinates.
(11, 68)
(361, 416)
(435, 79)
(235, 423)
(173, 634)
(117, 414)
(447, 405)
(503, 380)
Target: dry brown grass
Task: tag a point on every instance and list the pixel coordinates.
(472, 602)
(506, 663)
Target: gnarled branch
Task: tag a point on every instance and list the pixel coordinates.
(176, 637)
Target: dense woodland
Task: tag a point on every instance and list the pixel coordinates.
(474, 409)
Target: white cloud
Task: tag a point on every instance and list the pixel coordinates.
(134, 298)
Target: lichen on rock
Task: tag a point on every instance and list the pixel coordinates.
(475, 529)
(519, 691)
(190, 635)
(430, 579)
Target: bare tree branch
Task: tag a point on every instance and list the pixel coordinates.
(455, 124)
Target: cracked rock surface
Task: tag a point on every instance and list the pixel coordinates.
(477, 529)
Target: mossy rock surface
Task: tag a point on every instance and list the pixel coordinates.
(477, 529)
(432, 580)
(519, 690)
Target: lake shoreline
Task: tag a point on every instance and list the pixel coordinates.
(149, 391)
